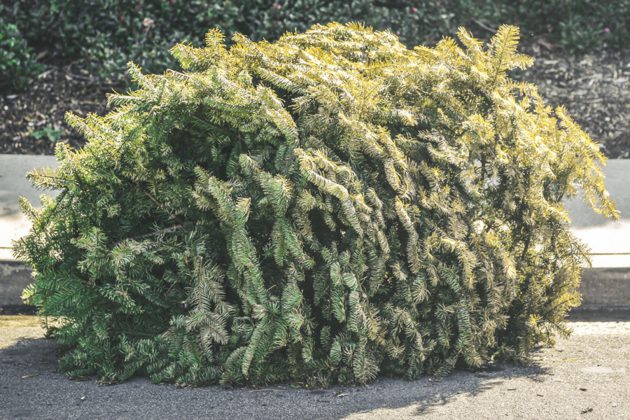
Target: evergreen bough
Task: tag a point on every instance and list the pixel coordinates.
(318, 209)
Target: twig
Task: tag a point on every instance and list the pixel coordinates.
(484, 26)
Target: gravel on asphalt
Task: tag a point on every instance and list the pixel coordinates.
(584, 376)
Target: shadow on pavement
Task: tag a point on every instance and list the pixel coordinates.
(616, 315)
(30, 387)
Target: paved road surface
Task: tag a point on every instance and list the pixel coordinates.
(584, 377)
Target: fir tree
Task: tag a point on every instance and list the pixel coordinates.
(318, 209)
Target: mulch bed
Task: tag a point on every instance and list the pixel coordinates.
(595, 89)
(33, 120)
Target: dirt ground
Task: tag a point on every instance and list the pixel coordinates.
(595, 89)
(583, 377)
(32, 121)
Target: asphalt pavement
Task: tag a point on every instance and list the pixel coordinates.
(583, 377)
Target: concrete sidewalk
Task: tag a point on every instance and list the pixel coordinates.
(608, 240)
(601, 235)
(13, 184)
(606, 285)
(583, 377)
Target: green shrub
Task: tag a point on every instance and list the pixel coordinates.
(17, 62)
(578, 25)
(108, 33)
(319, 210)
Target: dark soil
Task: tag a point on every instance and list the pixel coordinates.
(594, 88)
(32, 121)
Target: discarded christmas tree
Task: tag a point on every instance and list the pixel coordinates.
(318, 209)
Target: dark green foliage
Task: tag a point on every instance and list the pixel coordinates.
(318, 210)
(108, 33)
(578, 25)
(17, 61)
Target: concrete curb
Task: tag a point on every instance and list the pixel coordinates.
(603, 289)
(14, 277)
(606, 289)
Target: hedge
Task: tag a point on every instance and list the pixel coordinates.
(105, 34)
